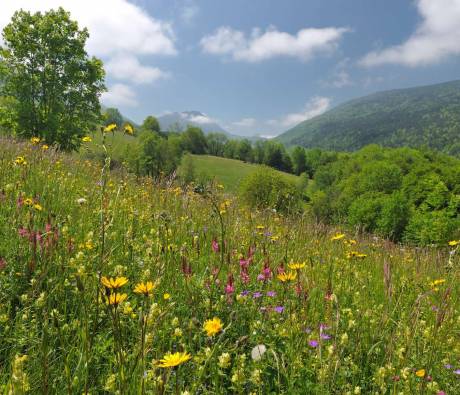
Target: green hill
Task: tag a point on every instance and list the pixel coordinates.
(421, 116)
(228, 172)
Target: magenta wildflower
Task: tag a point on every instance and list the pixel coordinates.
(279, 309)
(325, 336)
(313, 343)
(256, 295)
(271, 293)
(215, 245)
(229, 287)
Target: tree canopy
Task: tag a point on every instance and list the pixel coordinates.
(52, 85)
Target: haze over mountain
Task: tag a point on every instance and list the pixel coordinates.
(180, 120)
(420, 116)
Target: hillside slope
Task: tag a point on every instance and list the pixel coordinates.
(421, 116)
(229, 172)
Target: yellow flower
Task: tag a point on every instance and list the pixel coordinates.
(113, 283)
(338, 236)
(37, 207)
(129, 129)
(20, 160)
(86, 139)
(35, 140)
(212, 327)
(454, 243)
(115, 299)
(28, 202)
(420, 373)
(166, 296)
(355, 254)
(45, 147)
(145, 289)
(110, 128)
(296, 266)
(288, 276)
(260, 227)
(172, 360)
(437, 282)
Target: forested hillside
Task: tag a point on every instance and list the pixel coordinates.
(423, 116)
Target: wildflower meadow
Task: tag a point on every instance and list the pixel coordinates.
(115, 284)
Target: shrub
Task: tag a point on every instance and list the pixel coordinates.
(265, 188)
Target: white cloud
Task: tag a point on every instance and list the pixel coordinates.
(127, 67)
(437, 37)
(200, 119)
(272, 43)
(117, 28)
(316, 106)
(119, 95)
(189, 11)
(245, 123)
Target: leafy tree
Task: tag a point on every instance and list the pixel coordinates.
(216, 143)
(299, 160)
(151, 124)
(244, 151)
(54, 84)
(194, 140)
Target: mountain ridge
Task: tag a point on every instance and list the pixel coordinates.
(418, 116)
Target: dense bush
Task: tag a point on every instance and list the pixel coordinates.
(402, 194)
(266, 189)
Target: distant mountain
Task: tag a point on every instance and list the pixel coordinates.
(178, 121)
(422, 116)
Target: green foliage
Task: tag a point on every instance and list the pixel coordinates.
(423, 116)
(194, 141)
(187, 170)
(265, 189)
(392, 192)
(54, 84)
(151, 124)
(299, 160)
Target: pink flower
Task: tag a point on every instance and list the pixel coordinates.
(23, 232)
(215, 245)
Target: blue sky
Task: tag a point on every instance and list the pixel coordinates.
(261, 66)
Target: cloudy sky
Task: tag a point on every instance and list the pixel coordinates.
(261, 66)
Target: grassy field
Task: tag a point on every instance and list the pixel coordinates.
(114, 285)
(229, 172)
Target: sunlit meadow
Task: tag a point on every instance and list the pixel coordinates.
(117, 285)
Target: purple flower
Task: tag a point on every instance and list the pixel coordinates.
(271, 293)
(279, 309)
(325, 336)
(323, 327)
(260, 277)
(313, 343)
(245, 293)
(256, 295)
(448, 366)
(457, 371)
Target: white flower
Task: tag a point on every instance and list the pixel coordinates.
(258, 351)
(81, 201)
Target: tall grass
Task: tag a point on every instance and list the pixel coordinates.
(361, 316)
